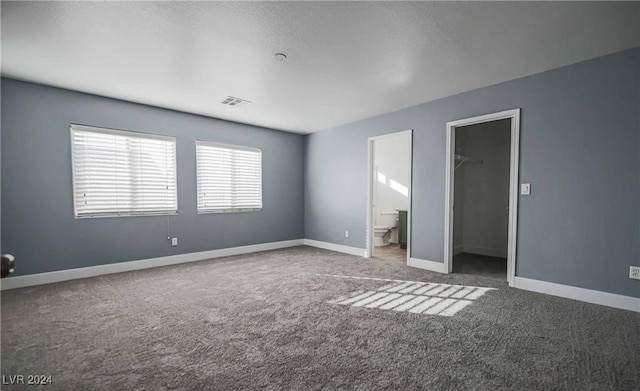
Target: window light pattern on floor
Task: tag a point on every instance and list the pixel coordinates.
(414, 297)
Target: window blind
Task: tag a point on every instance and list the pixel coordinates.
(118, 173)
(229, 177)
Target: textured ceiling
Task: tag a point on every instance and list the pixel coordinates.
(346, 60)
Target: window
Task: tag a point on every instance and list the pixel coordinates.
(229, 178)
(118, 173)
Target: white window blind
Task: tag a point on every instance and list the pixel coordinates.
(229, 177)
(118, 173)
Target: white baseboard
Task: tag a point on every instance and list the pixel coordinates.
(570, 292)
(336, 247)
(92, 271)
(581, 294)
(427, 265)
(490, 252)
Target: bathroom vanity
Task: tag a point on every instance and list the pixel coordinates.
(402, 228)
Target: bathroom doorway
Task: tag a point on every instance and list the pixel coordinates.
(389, 216)
(481, 195)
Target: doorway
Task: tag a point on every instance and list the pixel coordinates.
(481, 199)
(389, 197)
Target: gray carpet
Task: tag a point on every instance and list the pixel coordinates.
(270, 321)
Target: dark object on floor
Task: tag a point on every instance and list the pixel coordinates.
(8, 262)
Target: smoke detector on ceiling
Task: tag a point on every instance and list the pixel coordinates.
(235, 102)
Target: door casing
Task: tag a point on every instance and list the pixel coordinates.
(514, 115)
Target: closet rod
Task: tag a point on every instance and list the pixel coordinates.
(463, 159)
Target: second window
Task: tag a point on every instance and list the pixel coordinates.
(229, 178)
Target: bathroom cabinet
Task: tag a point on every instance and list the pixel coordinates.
(402, 228)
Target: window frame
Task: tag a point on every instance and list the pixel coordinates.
(127, 133)
(231, 147)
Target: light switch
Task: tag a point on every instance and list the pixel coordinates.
(525, 188)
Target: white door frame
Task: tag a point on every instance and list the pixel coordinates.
(514, 115)
(370, 183)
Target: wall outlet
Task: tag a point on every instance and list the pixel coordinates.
(634, 272)
(174, 241)
(346, 234)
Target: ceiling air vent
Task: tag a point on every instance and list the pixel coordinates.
(235, 102)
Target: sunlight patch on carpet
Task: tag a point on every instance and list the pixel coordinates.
(412, 296)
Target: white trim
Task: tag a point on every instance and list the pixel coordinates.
(490, 252)
(92, 271)
(438, 267)
(360, 252)
(514, 115)
(448, 197)
(571, 292)
(120, 132)
(513, 196)
(369, 253)
(207, 143)
(410, 197)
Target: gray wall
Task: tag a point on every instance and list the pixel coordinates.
(37, 203)
(579, 150)
(484, 225)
